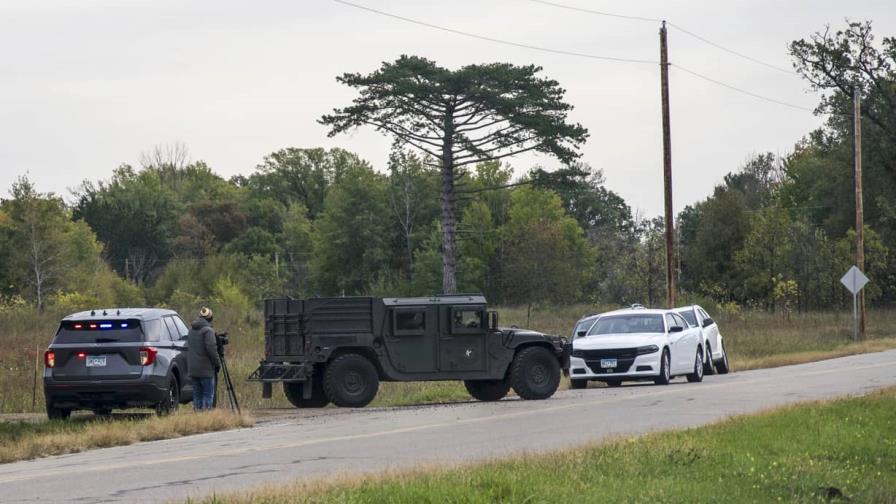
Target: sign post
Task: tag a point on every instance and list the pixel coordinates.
(854, 280)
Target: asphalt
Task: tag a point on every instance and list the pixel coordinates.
(333, 442)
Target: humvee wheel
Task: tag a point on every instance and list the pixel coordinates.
(293, 392)
(487, 390)
(351, 381)
(535, 373)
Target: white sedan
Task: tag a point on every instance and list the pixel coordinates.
(637, 344)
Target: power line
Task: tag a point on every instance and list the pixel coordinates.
(599, 13)
(731, 51)
(571, 53)
(495, 40)
(673, 25)
(740, 90)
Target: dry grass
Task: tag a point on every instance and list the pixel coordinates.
(27, 440)
(787, 359)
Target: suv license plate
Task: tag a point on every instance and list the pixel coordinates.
(96, 360)
(607, 363)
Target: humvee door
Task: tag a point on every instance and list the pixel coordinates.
(462, 339)
(412, 342)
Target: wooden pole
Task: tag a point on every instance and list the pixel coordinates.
(860, 218)
(667, 172)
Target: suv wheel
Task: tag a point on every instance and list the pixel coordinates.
(351, 381)
(722, 365)
(665, 372)
(697, 375)
(535, 373)
(58, 413)
(709, 367)
(171, 401)
(487, 390)
(294, 393)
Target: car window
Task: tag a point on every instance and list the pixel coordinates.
(627, 324)
(670, 320)
(466, 320)
(171, 332)
(152, 328)
(679, 320)
(410, 321)
(583, 325)
(689, 316)
(181, 327)
(99, 331)
(703, 315)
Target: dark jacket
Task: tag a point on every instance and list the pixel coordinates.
(202, 350)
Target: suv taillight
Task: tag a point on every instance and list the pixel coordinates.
(147, 356)
(49, 358)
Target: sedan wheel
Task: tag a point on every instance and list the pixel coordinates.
(665, 373)
(697, 375)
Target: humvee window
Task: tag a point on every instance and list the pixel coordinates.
(410, 321)
(466, 320)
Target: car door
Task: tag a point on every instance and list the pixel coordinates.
(411, 343)
(692, 339)
(677, 343)
(462, 343)
(711, 330)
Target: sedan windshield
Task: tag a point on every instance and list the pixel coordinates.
(582, 326)
(628, 324)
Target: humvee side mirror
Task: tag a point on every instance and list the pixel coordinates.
(493, 321)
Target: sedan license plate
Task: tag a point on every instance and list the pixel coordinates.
(96, 360)
(607, 363)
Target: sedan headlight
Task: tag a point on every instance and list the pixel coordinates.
(644, 350)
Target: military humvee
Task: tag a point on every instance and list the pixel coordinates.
(338, 349)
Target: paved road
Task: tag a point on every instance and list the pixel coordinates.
(351, 441)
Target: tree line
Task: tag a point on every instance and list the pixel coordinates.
(776, 233)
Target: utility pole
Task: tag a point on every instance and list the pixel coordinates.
(667, 172)
(860, 218)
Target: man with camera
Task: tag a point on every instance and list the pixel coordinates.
(203, 360)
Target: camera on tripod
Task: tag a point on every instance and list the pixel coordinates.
(221, 340)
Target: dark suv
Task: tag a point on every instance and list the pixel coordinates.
(117, 358)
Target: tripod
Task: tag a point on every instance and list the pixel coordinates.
(228, 383)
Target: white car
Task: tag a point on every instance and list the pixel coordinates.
(636, 344)
(716, 357)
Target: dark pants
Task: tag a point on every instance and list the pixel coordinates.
(203, 393)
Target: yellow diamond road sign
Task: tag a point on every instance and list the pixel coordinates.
(854, 280)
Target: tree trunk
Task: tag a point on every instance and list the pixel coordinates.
(449, 223)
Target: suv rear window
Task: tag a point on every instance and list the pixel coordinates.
(99, 331)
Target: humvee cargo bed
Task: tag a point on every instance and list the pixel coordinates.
(338, 349)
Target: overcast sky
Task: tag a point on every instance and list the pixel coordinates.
(87, 85)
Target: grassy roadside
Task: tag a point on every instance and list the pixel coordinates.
(818, 452)
(22, 440)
